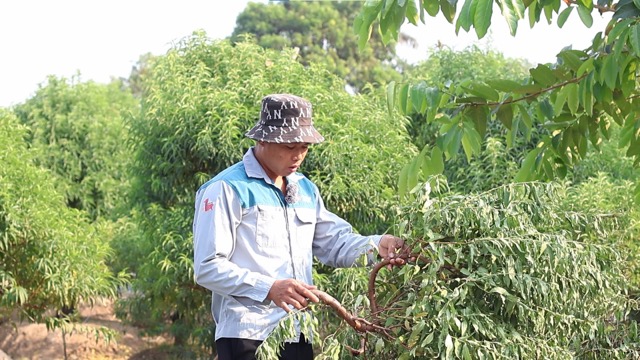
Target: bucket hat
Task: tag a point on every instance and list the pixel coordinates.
(285, 118)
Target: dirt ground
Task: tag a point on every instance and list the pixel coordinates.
(34, 342)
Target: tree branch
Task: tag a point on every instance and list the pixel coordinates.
(527, 96)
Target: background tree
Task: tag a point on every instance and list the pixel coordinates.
(136, 79)
(51, 257)
(201, 98)
(78, 131)
(321, 33)
(501, 152)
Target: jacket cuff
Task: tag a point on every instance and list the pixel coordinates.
(372, 252)
(261, 288)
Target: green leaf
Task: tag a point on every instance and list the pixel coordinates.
(436, 165)
(564, 15)
(519, 7)
(586, 93)
(546, 108)
(414, 172)
(571, 58)
(499, 290)
(447, 9)
(510, 15)
(471, 140)
(403, 99)
(561, 100)
(527, 170)
(543, 75)
(586, 67)
(391, 96)
(482, 17)
(466, 355)
(617, 30)
(363, 23)
(609, 72)
(432, 7)
(402, 180)
(503, 85)
(634, 39)
(585, 16)
(448, 343)
(433, 97)
(535, 10)
(452, 140)
(388, 5)
(412, 13)
(466, 14)
(482, 90)
(427, 340)
(379, 345)
(573, 100)
(627, 132)
(417, 96)
(587, 4)
(505, 115)
(626, 11)
(548, 12)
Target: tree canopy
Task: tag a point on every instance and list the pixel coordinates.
(578, 100)
(78, 131)
(321, 33)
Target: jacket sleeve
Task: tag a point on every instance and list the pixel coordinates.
(218, 212)
(336, 244)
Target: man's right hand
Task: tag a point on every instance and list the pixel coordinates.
(291, 292)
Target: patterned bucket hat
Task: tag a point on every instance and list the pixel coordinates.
(285, 118)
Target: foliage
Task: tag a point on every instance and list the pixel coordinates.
(321, 33)
(78, 131)
(612, 197)
(579, 99)
(199, 100)
(506, 273)
(51, 256)
(497, 162)
(471, 63)
(139, 72)
(445, 66)
(609, 159)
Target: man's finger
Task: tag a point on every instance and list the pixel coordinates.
(307, 294)
(284, 306)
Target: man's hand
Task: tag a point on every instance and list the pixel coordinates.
(390, 247)
(291, 292)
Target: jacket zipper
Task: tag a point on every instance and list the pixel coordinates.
(293, 265)
(286, 221)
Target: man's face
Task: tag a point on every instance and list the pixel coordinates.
(281, 159)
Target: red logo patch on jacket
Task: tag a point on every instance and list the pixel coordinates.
(208, 205)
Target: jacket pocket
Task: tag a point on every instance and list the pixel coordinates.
(305, 222)
(271, 228)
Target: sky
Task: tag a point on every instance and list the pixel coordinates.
(101, 40)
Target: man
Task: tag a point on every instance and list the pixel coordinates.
(257, 226)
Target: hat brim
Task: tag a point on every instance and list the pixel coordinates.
(285, 135)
